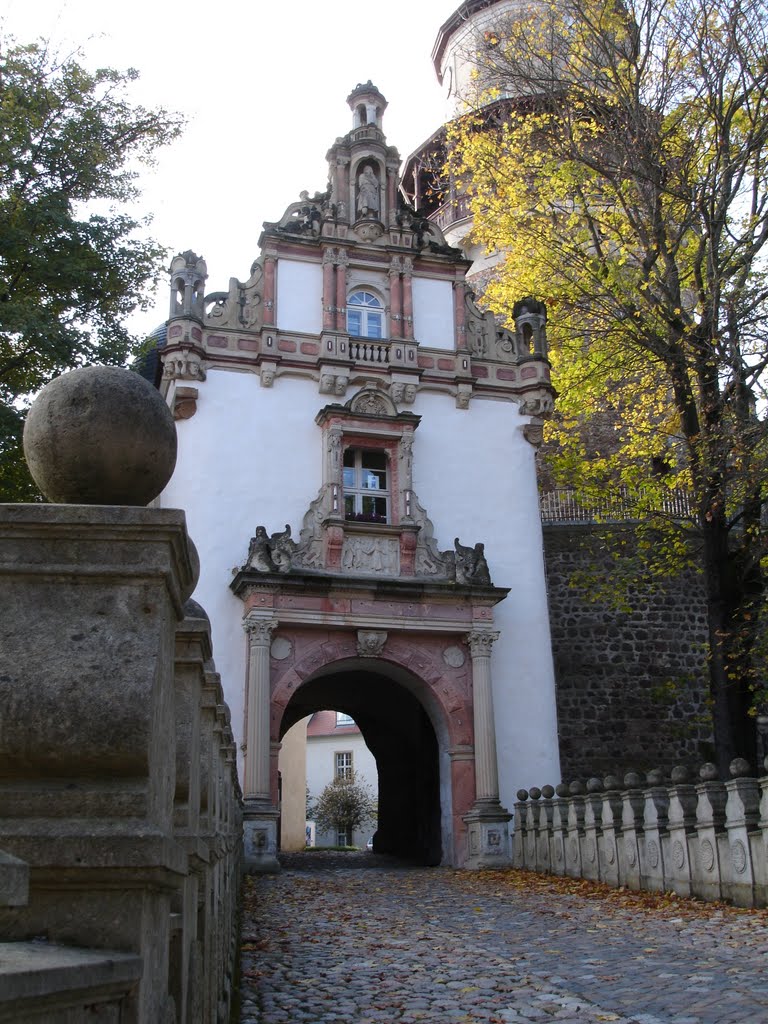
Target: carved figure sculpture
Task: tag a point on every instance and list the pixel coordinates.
(368, 193)
(471, 566)
(282, 548)
(271, 554)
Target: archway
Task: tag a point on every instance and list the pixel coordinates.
(407, 736)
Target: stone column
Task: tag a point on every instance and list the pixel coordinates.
(260, 817)
(270, 266)
(341, 290)
(459, 315)
(487, 821)
(395, 300)
(408, 297)
(329, 296)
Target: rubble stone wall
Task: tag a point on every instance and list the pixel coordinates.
(631, 681)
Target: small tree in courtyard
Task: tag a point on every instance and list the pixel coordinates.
(345, 805)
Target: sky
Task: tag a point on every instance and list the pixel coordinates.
(263, 86)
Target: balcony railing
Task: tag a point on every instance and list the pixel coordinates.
(366, 351)
(566, 506)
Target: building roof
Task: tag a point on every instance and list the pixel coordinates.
(323, 723)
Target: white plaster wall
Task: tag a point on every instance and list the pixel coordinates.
(321, 767)
(433, 313)
(474, 473)
(249, 456)
(299, 296)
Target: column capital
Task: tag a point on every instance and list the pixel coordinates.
(480, 642)
(259, 628)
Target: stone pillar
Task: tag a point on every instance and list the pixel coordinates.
(408, 297)
(259, 816)
(559, 829)
(710, 829)
(742, 810)
(593, 830)
(654, 833)
(487, 821)
(575, 830)
(459, 315)
(681, 824)
(329, 290)
(270, 266)
(633, 808)
(395, 300)
(608, 847)
(341, 290)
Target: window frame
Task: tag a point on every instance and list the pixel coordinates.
(367, 311)
(346, 770)
(359, 492)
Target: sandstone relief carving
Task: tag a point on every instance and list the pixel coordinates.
(377, 555)
(370, 642)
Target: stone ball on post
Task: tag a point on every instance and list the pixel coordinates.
(100, 435)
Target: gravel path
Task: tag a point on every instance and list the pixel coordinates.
(356, 939)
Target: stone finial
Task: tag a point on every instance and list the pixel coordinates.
(563, 789)
(655, 777)
(100, 435)
(611, 783)
(547, 792)
(708, 772)
(522, 795)
(594, 785)
(194, 561)
(634, 780)
(679, 775)
(739, 768)
(534, 793)
(576, 788)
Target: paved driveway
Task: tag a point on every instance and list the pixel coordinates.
(355, 939)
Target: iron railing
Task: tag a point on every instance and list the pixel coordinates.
(567, 506)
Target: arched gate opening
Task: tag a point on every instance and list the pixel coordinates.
(400, 726)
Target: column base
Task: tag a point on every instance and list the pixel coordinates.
(488, 836)
(260, 838)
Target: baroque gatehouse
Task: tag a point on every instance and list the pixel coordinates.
(357, 460)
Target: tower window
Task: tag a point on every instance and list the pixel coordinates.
(365, 315)
(366, 485)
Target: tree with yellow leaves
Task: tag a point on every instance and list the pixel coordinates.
(620, 166)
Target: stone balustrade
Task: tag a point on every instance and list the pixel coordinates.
(120, 809)
(707, 839)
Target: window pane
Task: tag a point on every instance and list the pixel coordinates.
(354, 322)
(349, 506)
(374, 506)
(373, 459)
(349, 456)
(349, 477)
(373, 481)
(374, 326)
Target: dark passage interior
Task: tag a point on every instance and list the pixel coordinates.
(400, 736)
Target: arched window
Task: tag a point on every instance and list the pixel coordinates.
(365, 315)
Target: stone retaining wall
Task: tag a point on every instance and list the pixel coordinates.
(120, 808)
(631, 683)
(708, 839)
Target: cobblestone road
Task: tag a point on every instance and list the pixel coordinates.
(358, 941)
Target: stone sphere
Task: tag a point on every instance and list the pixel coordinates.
(708, 772)
(534, 793)
(739, 767)
(522, 795)
(656, 777)
(547, 792)
(594, 785)
(679, 774)
(576, 788)
(611, 783)
(100, 435)
(633, 780)
(563, 789)
(194, 561)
